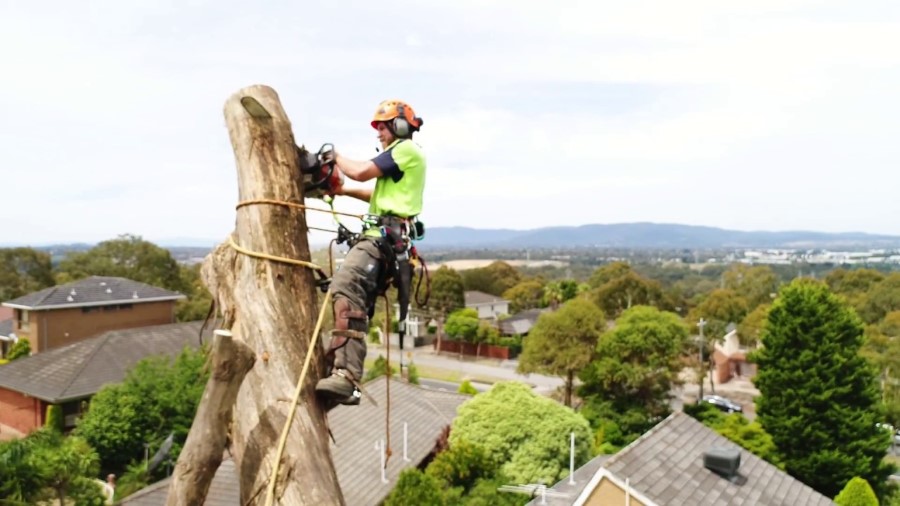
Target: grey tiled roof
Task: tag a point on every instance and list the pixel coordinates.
(666, 465)
(80, 369)
(569, 492)
(521, 322)
(224, 490)
(6, 327)
(473, 297)
(93, 291)
(356, 430)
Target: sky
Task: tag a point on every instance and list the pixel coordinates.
(748, 115)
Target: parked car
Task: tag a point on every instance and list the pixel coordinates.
(723, 403)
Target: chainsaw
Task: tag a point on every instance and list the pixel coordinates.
(318, 172)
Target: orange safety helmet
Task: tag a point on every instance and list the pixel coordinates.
(399, 115)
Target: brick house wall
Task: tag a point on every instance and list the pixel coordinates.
(49, 329)
(21, 412)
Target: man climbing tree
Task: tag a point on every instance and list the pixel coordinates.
(372, 262)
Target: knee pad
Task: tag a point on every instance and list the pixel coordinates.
(348, 317)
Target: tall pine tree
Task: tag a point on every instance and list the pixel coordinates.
(819, 397)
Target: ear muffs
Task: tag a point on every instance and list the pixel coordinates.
(400, 124)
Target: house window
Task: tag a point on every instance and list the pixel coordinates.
(22, 317)
(117, 307)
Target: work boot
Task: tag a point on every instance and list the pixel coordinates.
(339, 388)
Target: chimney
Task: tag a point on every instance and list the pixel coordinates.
(722, 461)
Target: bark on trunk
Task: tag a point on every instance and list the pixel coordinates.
(207, 440)
(272, 306)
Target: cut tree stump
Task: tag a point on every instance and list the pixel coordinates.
(271, 307)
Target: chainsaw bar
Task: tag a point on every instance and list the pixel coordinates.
(252, 106)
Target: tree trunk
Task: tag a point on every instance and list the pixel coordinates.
(207, 440)
(271, 305)
(570, 381)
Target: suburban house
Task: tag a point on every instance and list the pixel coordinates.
(64, 314)
(521, 322)
(420, 414)
(730, 358)
(489, 307)
(7, 338)
(680, 461)
(71, 374)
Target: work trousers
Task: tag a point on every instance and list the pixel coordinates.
(355, 288)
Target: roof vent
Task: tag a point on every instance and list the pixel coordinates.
(722, 461)
(108, 290)
(134, 295)
(72, 293)
(70, 299)
(103, 283)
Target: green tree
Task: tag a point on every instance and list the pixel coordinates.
(416, 487)
(47, 465)
(463, 324)
(127, 256)
(527, 294)
(496, 419)
(858, 492)
(723, 306)
(23, 271)
(853, 285)
(608, 272)
(818, 395)
(624, 292)
(562, 342)
(750, 328)
(198, 301)
(447, 292)
(462, 465)
(882, 299)
(756, 284)
(494, 279)
(560, 291)
(21, 348)
(626, 387)
(379, 368)
(158, 396)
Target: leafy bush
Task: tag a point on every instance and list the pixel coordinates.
(378, 369)
(466, 388)
(415, 487)
(413, 373)
(857, 492)
(374, 335)
(55, 419)
(21, 348)
(496, 418)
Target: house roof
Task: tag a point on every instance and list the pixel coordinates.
(92, 291)
(521, 322)
(475, 298)
(80, 369)
(356, 429)
(665, 465)
(6, 327)
(566, 492)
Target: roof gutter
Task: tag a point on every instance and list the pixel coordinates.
(94, 304)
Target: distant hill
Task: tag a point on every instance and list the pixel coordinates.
(647, 235)
(615, 235)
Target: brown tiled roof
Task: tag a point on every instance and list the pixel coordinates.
(356, 430)
(666, 466)
(80, 369)
(92, 291)
(474, 297)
